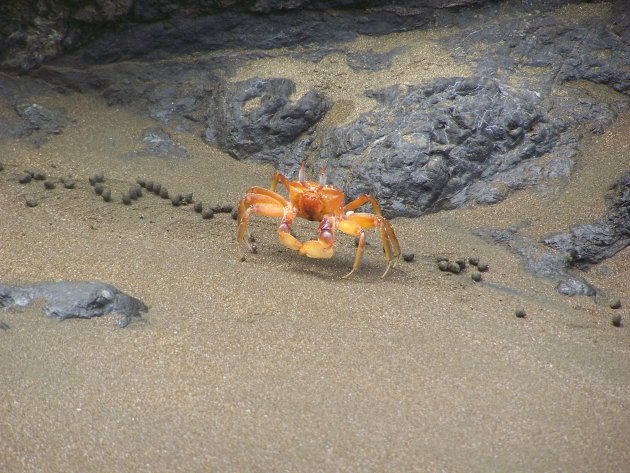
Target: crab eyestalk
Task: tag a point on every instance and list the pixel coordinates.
(302, 173)
(322, 176)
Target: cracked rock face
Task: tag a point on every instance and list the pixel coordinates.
(434, 147)
(257, 120)
(591, 243)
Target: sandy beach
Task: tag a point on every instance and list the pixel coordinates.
(271, 361)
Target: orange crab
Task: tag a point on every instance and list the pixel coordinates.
(317, 201)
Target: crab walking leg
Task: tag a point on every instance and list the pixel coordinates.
(279, 177)
(354, 224)
(323, 246)
(363, 199)
(258, 205)
(258, 195)
(354, 229)
(394, 241)
(267, 192)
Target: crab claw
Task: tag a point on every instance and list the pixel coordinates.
(316, 249)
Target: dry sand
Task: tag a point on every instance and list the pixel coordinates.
(275, 363)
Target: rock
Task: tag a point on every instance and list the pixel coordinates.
(424, 147)
(39, 117)
(538, 260)
(31, 34)
(592, 48)
(256, 120)
(440, 145)
(74, 299)
(575, 287)
(589, 244)
(24, 116)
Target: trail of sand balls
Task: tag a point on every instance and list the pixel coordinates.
(142, 186)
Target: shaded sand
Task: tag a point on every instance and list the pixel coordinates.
(275, 363)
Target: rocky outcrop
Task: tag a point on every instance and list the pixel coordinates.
(32, 33)
(257, 120)
(439, 146)
(559, 47)
(540, 261)
(589, 244)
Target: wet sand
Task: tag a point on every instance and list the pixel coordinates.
(275, 363)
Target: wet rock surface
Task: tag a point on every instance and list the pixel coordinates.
(443, 145)
(29, 117)
(538, 260)
(425, 147)
(589, 244)
(31, 34)
(593, 48)
(261, 131)
(65, 300)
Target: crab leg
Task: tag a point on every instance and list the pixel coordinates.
(394, 241)
(363, 199)
(354, 224)
(263, 191)
(258, 204)
(280, 177)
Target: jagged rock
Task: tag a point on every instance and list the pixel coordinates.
(538, 260)
(433, 147)
(74, 299)
(426, 147)
(561, 48)
(32, 33)
(39, 117)
(591, 243)
(256, 119)
(29, 117)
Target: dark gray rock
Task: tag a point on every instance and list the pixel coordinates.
(256, 119)
(433, 147)
(593, 48)
(39, 117)
(589, 244)
(539, 260)
(426, 147)
(28, 118)
(32, 33)
(575, 287)
(74, 299)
